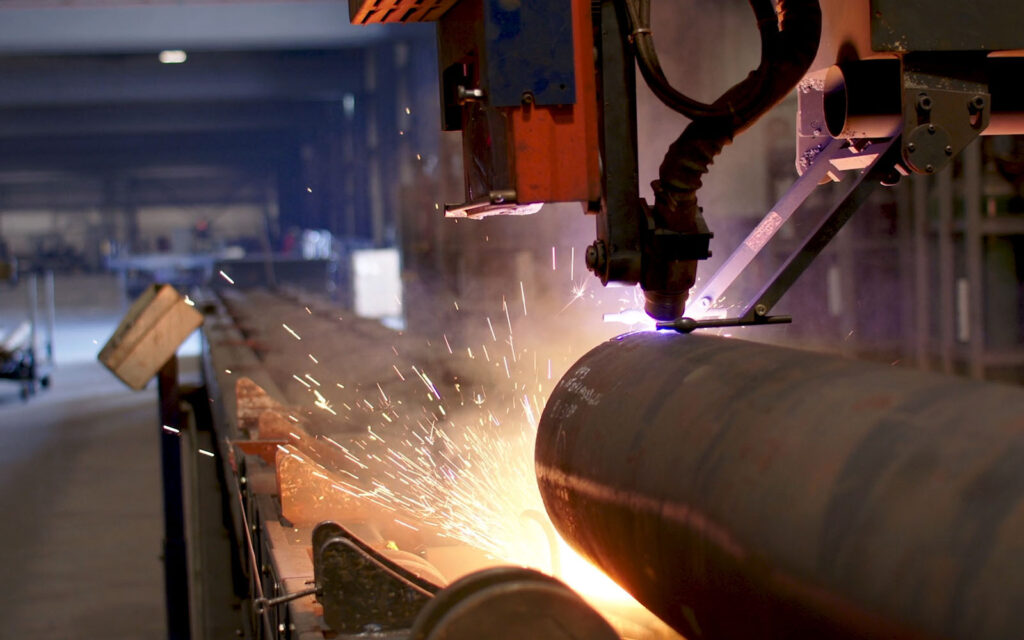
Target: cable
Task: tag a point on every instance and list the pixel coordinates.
(786, 55)
(638, 12)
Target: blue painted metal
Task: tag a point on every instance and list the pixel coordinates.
(529, 50)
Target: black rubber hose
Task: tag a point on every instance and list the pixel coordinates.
(654, 76)
(690, 156)
(786, 57)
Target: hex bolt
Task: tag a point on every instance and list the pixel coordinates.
(978, 103)
(596, 257)
(911, 147)
(929, 168)
(948, 150)
(924, 102)
(527, 97)
(464, 95)
(761, 310)
(931, 129)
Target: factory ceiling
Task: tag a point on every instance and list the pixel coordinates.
(85, 98)
(112, 26)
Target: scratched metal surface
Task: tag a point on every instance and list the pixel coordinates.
(820, 496)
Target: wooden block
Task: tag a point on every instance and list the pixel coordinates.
(149, 334)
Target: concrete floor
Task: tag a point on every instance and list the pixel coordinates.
(81, 537)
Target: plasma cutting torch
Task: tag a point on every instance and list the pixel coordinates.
(741, 490)
(896, 87)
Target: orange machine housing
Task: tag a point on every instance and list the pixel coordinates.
(556, 152)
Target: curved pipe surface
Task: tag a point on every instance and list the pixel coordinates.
(743, 490)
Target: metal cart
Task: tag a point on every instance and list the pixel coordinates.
(21, 359)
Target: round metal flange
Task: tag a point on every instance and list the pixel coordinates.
(927, 148)
(509, 603)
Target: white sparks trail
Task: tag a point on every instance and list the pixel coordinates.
(522, 291)
(553, 264)
(226, 277)
(308, 386)
(577, 293)
(171, 430)
(508, 319)
(291, 331)
(572, 265)
(446, 343)
(491, 327)
(207, 453)
(400, 376)
(321, 403)
(313, 358)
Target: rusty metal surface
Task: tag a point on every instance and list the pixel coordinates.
(251, 401)
(743, 490)
(309, 493)
(265, 450)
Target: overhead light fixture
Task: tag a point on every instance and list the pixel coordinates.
(173, 56)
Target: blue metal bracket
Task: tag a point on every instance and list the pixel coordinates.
(529, 52)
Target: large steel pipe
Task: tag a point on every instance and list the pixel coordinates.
(747, 491)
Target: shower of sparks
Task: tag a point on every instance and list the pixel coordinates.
(450, 457)
(291, 331)
(226, 277)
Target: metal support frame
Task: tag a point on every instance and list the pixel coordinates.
(858, 190)
(175, 551)
(876, 159)
(616, 255)
(359, 587)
